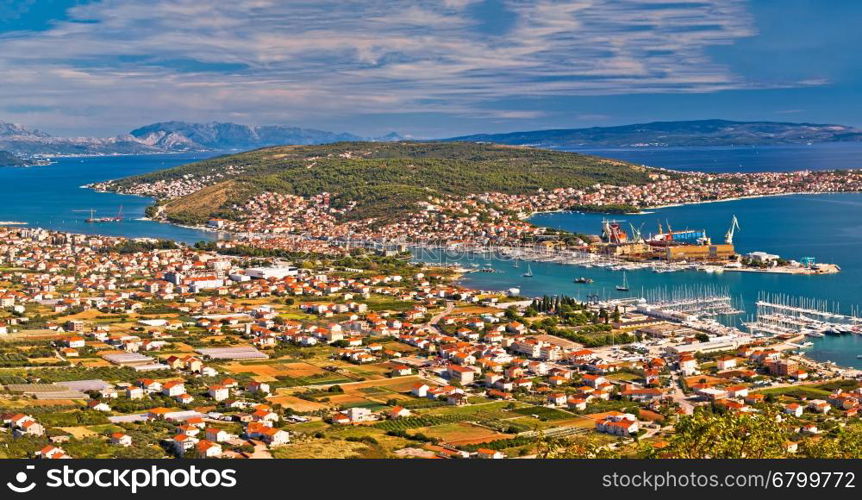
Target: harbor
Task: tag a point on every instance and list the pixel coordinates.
(779, 314)
(667, 250)
(584, 275)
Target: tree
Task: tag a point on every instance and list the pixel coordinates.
(603, 315)
(846, 444)
(511, 313)
(616, 315)
(583, 446)
(731, 435)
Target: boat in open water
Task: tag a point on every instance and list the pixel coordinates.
(624, 287)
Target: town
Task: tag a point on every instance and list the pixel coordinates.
(485, 220)
(116, 348)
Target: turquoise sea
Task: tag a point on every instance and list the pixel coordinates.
(51, 196)
(827, 227)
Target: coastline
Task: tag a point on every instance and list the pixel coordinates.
(739, 198)
(109, 155)
(460, 273)
(457, 276)
(506, 251)
(644, 210)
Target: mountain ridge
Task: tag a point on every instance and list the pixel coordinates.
(170, 137)
(689, 133)
(182, 136)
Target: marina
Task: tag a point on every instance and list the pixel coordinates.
(782, 314)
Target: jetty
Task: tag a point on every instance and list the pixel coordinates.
(779, 314)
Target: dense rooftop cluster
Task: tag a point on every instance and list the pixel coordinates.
(494, 218)
(113, 348)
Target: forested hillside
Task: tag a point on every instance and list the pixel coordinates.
(384, 179)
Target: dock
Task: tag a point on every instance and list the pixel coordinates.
(782, 314)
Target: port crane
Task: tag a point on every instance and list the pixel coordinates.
(637, 234)
(734, 226)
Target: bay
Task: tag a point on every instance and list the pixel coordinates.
(52, 197)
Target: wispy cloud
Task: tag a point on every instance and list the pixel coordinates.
(288, 60)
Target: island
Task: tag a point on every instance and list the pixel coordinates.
(463, 195)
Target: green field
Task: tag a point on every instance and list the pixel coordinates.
(799, 391)
(544, 413)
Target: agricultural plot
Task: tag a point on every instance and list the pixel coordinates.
(12, 359)
(320, 379)
(237, 352)
(308, 427)
(402, 424)
(371, 371)
(490, 411)
(798, 392)
(527, 423)
(372, 394)
(319, 449)
(544, 413)
(79, 432)
(624, 376)
(703, 379)
(462, 433)
(270, 372)
(356, 401)
(396, 384)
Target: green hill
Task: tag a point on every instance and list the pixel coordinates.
(385, 179)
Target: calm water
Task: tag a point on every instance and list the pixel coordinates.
(51, 196)
(742, 159)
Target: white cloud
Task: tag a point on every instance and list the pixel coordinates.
(290, 60)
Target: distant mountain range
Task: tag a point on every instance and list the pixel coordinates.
(676, 134)
(177, 136)
(170, 137)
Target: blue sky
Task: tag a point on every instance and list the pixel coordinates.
(426, 68)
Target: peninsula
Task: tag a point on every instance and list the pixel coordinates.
(458, 194)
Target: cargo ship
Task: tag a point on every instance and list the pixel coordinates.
(683, 237)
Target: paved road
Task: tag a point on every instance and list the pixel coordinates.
(679, 397)
(431, 326)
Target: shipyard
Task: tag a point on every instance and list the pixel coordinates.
(694, 249)
(619, 248)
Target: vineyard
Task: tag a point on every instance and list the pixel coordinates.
(12, 359)
(416, 422)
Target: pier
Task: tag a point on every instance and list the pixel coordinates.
(781, 314)
(699, 301)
